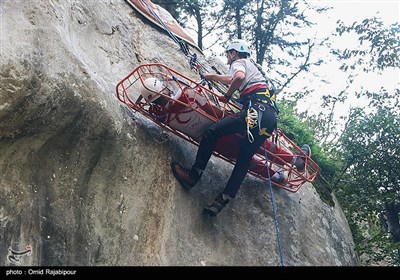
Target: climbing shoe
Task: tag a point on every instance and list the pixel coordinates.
(298, 160)
(216, 206)
(184, 176)
(280, 177)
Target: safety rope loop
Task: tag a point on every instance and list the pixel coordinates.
(194, 64)
(202, 78)
(193, 61)
(184, 47)
(250, 135)
(276, 137)
(204, 81)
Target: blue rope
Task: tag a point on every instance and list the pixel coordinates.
(273, 207)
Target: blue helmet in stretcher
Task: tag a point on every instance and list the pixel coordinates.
(151, 89)
(239, 46)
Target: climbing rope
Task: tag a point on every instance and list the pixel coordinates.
(273, 207)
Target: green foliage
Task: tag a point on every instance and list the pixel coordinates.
(371, 153)
(300, 132)
(369, 182)
(373, 247)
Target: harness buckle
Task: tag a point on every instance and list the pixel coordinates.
(261, 107)
(265, 93)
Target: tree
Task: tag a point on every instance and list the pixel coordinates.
(206, 15)
(236, 10)
(368, 185)
(370, 182)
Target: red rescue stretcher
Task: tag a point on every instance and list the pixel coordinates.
(189, 108)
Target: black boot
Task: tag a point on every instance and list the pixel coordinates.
(216, 206)
(186, 177)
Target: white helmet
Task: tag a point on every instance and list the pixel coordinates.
(151, 88)
(239, 46)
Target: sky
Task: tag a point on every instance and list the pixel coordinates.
(350, 10)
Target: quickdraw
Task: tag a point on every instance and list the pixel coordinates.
(251, 121)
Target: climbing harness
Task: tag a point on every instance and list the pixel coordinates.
(254, 114)
(257, 102)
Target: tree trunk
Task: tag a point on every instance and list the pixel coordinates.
(199, 27)
(392, 215)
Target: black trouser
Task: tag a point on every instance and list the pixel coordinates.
(232, 124)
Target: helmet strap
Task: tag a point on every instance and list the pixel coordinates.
(230, 55)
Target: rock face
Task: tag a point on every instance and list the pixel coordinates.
(86, 182)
